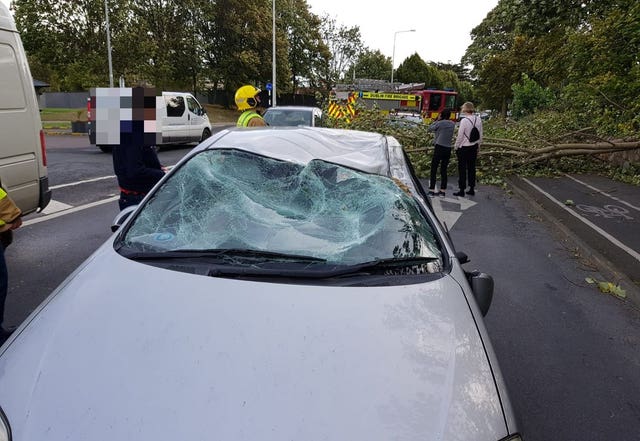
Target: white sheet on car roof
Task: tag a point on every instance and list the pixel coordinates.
(368, 152)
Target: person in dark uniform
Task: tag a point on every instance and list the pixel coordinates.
(135, 160)
(138, 169)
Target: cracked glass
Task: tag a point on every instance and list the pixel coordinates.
(233, 199)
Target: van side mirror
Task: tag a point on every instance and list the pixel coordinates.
(482, 288)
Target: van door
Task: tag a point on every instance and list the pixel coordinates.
(198, 120)
(175, 125)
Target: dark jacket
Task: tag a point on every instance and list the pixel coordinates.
(137, 168)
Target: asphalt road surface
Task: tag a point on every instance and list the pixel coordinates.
(601, 214)
(570, 354)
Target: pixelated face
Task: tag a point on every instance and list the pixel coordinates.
(125, 116)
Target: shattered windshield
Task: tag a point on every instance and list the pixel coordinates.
(229, 199)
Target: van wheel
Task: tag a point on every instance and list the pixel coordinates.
(105, 148)
(205, 134)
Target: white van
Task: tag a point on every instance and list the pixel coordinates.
(23, 159)
(180, 119)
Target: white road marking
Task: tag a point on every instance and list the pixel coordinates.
(56, 209)
(446, 216)
(609, 237)
(55, 206)
(603, 193)
(70, 184)
(70, 210)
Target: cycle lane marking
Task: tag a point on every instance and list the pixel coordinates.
(603, 193)
(609, 237)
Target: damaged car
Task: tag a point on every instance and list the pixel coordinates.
(276, 284)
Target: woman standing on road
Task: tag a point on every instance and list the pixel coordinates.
(467, 145)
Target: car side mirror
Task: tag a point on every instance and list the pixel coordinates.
(121, 217)
(482, 288)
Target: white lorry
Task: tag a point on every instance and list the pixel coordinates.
(180, 119)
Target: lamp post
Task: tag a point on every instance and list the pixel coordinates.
(393, 54)
(273, 67)
(106, 13)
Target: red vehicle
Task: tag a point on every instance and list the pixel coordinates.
(428, 103)
(434, 101)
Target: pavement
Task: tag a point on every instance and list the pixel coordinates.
(62, 132)
(597, 216)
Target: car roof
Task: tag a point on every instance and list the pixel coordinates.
(303, 108)
(365, 151)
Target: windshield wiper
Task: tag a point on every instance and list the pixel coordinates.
(393, 262)
(221, 252)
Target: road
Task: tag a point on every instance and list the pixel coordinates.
(570, 355)
(603, 214)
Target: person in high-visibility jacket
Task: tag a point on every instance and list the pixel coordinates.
(247, 100)
(10, 219)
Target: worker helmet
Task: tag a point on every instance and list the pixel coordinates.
(247, 97)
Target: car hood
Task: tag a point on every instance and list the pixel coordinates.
(130, 351)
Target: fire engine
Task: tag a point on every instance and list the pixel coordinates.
(412, 98)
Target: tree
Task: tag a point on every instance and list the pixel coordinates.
(162, 28)
(373, 65)
(529, 96)
(585, 51)
(238, 48)
(307, 52)
(415, 70)
(345, 45)
(65, 39)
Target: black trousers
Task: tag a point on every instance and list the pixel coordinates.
(441, 156)
(127, 200)
(467, 157)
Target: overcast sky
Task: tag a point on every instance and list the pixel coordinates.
(441, 27)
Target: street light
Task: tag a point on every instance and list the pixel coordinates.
(106, 13)
(393, 55)
(273, 66)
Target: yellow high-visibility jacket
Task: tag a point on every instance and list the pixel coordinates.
(250, 118)
(9, 211)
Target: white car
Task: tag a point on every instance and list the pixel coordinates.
(405, 119)
(277, 284)
(291, 116)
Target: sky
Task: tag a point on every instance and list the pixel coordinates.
(442, 27)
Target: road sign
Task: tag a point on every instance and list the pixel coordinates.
(269, 86)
